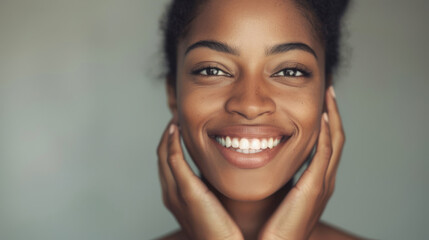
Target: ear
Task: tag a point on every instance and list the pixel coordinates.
(172, 99)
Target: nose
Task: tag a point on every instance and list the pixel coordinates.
(250, 99)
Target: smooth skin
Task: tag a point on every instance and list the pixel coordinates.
(202, 216)
(248, 84)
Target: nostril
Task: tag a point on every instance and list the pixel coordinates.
(250, 98)
(251, 107)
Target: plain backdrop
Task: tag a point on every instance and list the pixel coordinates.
(82, 111)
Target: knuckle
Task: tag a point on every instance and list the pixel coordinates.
(316, 191)
(158, 150)
(171, 201)
(188, 196)
(174, 154)
(173, 159)
(327, 151)
(166, 201)
(341, 138)
(191, 193)
(321, 195)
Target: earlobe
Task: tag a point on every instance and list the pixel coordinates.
(172, 99)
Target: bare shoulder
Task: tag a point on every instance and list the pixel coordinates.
(327, 231)
(176, 235)
(323, 231)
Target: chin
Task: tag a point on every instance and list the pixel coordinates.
(245, 185)
(247, 195)
(263, 159)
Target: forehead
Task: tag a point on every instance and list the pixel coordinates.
(250, 23)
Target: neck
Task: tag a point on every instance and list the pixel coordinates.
(250, 216)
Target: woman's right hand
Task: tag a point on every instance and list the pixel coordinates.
(195, 207)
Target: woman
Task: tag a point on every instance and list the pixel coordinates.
(250, 90)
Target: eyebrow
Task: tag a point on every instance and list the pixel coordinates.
(214, 45)
(284, 47)
(276, 49)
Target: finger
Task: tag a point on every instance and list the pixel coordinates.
(166, 177)
(336, 130)
(314, 175)
(161, 176)
(182, 173)
(162, 146)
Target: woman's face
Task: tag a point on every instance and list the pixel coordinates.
(251, 76)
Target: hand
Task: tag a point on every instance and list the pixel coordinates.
(195, 207)
(299, 212)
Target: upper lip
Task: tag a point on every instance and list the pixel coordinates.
(250, 131)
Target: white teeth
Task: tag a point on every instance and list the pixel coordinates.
(244, 143)
(228, 142)
(248, 146)
(221, 141)
(255, 144)
(264, 143)
(235, 143)
(270, 143)
(275, 142)
(247, 151)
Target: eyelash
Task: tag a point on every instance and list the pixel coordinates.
(291, 72)
(287, 72)
(208, 71)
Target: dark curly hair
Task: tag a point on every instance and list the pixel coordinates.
(324, 15)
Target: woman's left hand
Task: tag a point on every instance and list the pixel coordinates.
(299, 212)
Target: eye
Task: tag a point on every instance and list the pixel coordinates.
(210, 71)
(290, 72)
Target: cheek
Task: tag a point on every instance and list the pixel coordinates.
(190, 114)
(195, 110)
(198, 105)
(303, 109)
(307, 113)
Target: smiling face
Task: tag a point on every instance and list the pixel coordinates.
(249, 94)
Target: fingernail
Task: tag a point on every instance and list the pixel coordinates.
(171, 129)
(331, 89)
(325, 116)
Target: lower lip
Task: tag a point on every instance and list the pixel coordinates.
(251, 160)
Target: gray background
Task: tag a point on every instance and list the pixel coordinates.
(81, 113)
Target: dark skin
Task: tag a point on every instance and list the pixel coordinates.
(266, 79)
